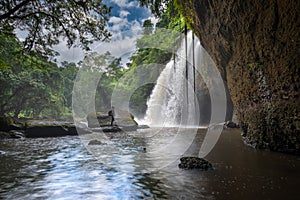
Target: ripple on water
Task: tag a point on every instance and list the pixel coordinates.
(62, 168)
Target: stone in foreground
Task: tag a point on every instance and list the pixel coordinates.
(95, 142)
(194, 163)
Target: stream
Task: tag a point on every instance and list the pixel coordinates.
(130, 167)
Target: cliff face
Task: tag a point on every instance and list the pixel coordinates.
(255, 44)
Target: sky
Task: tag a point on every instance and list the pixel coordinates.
(125, 24)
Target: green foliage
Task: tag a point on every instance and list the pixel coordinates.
(45, 21)
(31, 86)
(156, 6)
(148, 27)
(168, 11)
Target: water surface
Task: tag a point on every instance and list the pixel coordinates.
(63, 168)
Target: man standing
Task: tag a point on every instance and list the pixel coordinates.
(111, 113)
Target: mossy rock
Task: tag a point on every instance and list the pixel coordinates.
(273, 127)
(37, 128)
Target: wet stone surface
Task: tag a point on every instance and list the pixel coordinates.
(194, 163)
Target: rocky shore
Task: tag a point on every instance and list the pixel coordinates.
(33, 128)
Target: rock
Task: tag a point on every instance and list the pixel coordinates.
(123, 119)
(194, 163)
(255, 45)
(143, 126)
(16, 126)
(230, 124)
(98, 119)
(5, 123)
(111, 129)
(95, 142)
(128, 127)
(37, 128)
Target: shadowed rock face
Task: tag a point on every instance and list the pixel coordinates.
(256, 46)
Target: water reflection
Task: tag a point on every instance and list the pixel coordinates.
(62, 168)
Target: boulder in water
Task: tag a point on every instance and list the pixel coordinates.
(95, 142)
(194, 163)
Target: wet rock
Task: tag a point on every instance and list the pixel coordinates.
(129, 127)
(230, 124)
(98, 119)
(123, 119)
(261, 67)
(194, 163)
(111, 129)
(95, 142)
(5, 123)
(143, 126)
(37, 128)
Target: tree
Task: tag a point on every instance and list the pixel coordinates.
(157, 7)
(148, 27)
(80, 22)
(31, 86)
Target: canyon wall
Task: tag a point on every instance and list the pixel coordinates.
(255, 44)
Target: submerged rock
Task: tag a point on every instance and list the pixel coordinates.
(194, 163)
(95, 142)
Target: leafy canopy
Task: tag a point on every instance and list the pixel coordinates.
(79, 22)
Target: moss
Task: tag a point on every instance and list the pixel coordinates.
(274, 127)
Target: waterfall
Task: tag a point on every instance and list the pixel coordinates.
(173, 101)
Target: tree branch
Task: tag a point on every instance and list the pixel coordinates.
(15, 9)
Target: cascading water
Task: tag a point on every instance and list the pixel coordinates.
(173, 101)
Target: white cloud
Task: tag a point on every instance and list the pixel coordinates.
(71, 55)
(122, 43)
(115, 20)
(124, 13)
(125, 3)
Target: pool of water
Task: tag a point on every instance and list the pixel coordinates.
(143, 165)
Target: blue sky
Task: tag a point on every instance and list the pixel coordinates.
(125, 24)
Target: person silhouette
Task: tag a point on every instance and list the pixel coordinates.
(111, 113)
